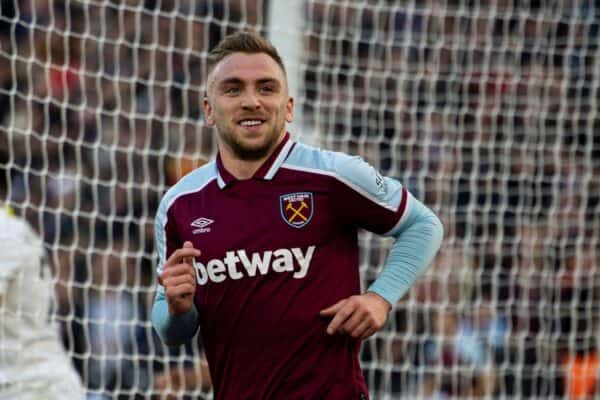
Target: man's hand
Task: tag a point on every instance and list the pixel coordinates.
(359, 316)
(179, 279)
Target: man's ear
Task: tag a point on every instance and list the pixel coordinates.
(208, 112)
(289, 108)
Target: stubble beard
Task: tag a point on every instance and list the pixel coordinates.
(246, 153)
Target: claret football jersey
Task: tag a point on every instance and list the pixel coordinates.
(277, 249)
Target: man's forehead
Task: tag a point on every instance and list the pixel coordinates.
(244, 66)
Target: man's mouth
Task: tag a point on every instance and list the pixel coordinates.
(251, 122)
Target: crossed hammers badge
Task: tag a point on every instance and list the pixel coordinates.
(296, 208)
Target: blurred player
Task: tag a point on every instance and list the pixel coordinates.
(173, 380)
(259, 248)
(33, 363)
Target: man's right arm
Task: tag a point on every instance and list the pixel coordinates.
(174, 315)
(174, 330)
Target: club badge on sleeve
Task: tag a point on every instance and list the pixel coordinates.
(296, 208)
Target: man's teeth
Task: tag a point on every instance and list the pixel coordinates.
(251, 122)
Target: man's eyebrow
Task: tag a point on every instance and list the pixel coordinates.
(238, 81)
(231, 81)
(268, 80)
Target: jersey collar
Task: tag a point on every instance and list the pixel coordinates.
(266, 171)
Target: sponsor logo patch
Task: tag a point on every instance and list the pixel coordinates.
(296, 208)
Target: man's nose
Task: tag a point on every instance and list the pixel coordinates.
(250, 100)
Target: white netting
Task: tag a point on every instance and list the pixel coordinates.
(488, 111)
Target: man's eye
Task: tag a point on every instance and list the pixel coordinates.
(266, 89)
(232, 90)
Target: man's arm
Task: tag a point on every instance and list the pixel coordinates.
(174, 315)
(417, 239)
(382, 205)
(174, 330)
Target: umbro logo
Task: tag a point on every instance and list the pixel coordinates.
(202, 225)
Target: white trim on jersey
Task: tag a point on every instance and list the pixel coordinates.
(172, 195)
(279, 160)
(404, 216)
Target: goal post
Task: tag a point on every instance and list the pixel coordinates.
(487, 111)
(285, 30)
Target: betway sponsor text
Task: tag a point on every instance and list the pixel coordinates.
(238, 264)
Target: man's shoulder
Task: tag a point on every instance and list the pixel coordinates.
(193, 182)
(350, 170)
(317, 160)
(342, 166)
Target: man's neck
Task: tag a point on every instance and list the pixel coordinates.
(244, 169)
(240, 169)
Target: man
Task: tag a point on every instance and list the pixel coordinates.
(33, 363)
(259, 247)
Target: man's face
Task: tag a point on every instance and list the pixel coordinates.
(248, 101)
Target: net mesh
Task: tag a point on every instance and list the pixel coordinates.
(487, 111)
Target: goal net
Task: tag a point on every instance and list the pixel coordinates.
(488, 111)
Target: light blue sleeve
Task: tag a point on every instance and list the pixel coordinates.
(173, 330)
(417, 239)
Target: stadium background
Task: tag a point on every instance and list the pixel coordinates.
(486, 110)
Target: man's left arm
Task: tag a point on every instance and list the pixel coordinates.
(388, 209)
(417, 240)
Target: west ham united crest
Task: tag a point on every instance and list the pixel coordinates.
(296, 208)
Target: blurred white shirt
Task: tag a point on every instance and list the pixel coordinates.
(33, 362)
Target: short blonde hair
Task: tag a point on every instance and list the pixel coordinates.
(243, 42)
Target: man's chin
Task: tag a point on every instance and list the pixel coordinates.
(250, 146)
(251, 153)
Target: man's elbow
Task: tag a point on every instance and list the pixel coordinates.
(174, 331)
(169, 336)
(160, 322)
(437, 229)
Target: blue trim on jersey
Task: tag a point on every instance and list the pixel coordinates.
(350, 170)
(175, 330)
(192, 182)
(418, 239)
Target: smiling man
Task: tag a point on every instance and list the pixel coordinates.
(248, 103)
(258, 249)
